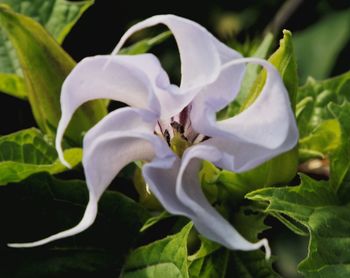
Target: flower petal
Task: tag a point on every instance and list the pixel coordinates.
(265, 129)
(205, 218)
(202, 56)
(160, 175)
(106, 152)
(201, 53)
(176, 186)
(129, 79)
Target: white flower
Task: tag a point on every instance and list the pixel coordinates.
(211, 78)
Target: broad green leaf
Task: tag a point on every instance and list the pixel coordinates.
(318, 46)
(145, 45)
(250, 76)
(315, 205)
(41, 206)
(26, 152)
(163, 258)
(57, 16)
(315, 121)
(45, 66)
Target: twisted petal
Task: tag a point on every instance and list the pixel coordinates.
(262, 131)
(202, 57)
(106, 152)
(186, 197)
(129, 79)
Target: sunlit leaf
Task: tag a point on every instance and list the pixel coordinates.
(13, 84)
(45, 66)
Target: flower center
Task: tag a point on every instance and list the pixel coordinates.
(179, 133)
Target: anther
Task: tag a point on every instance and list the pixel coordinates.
(177, 127)
(166, 135)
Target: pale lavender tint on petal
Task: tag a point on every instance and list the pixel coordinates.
(262, 131)
(107, 150)
(128, 79)
(160, 175)
(202, 56)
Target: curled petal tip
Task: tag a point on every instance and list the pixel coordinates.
(65, 163)
(21, 245)
(86, 221)
(265, 243)
(63, 160)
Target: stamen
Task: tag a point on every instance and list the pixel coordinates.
(166, 135)
(177, 127)
(160, 126)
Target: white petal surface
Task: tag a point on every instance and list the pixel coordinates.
(265, 129)
(205, 218)
(106, 152)
(202, 56)
(129, 79)
(200, 61)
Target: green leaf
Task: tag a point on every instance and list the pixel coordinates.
(26, 152)
(213, 264)
(13, 85)
(145, 45)
(284, 60)
(41, 206)
(323, 140)
(315, 121)
(57, 16)
(340, 158)
(318, 46)
(163, 258)
(45, 66)
(154, 220)
(315, 205)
